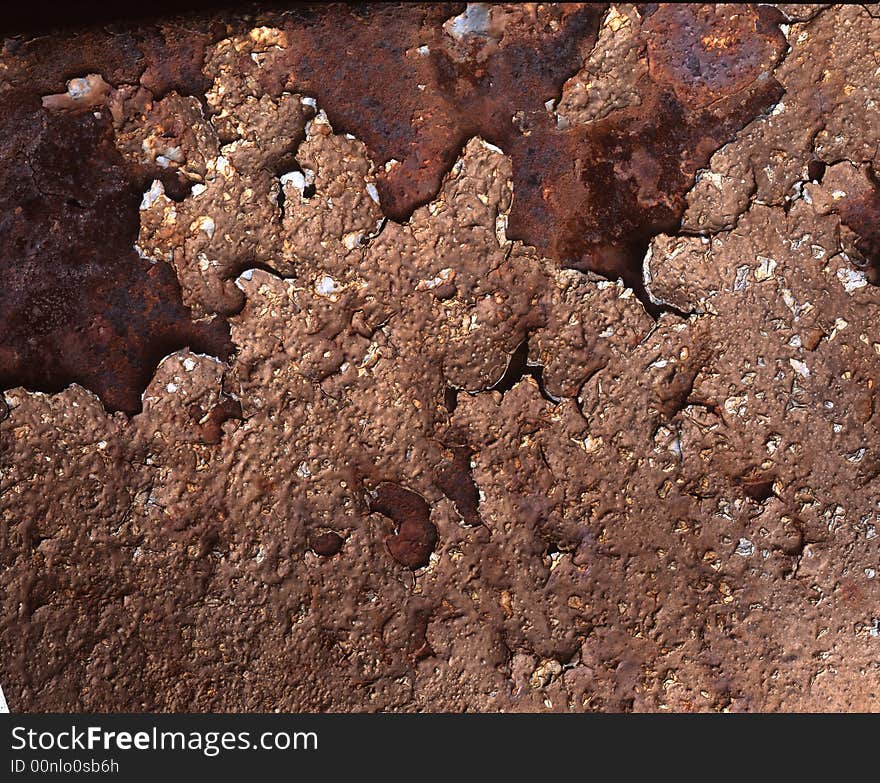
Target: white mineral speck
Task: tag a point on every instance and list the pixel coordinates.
(745, 548)
(295, 178)
(799, 367)
(221, 166)
(352, 240)
(851, 279)
(156, 189)
(206, 223)
(78, 88)
(474, 21)
(741, 280)
(325, 286)
(766, 267)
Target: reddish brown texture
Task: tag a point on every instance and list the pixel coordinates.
(626, 176)
(211, 422)
(593, 196)
(590, 197)
(454, 479)
(173, 57)
(667, 536)
(79, 303)
(368, 81)
(707, 52)
(852, 192)
(861, 214)
(416, 536)
(326, 544)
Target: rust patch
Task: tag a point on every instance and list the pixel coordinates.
(418, 95)
(861, 215)
(80, 305)
(593, 196)
(454, 479)
(326, 544)
(706, 53)
(588, 196)
(416, 535)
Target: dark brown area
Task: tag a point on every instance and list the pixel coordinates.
(326, 544)
(79, 303)
(415, 536)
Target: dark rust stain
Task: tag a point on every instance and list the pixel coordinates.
(454, 479)
(368, 81)
(416, 536)
(418, 619)
(326, 544)
(673, 390)
(591, 196)
(79, 304)
(603, 190)
(861, 214)
(210, 423)
(758, 489)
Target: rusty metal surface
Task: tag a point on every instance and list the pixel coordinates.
(79, 304)
(590, 197)
(606, 188)
(411, 459)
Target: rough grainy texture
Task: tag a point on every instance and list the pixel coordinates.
(516, 358)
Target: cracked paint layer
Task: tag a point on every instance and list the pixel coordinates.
(588, 196)
(379, 426)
